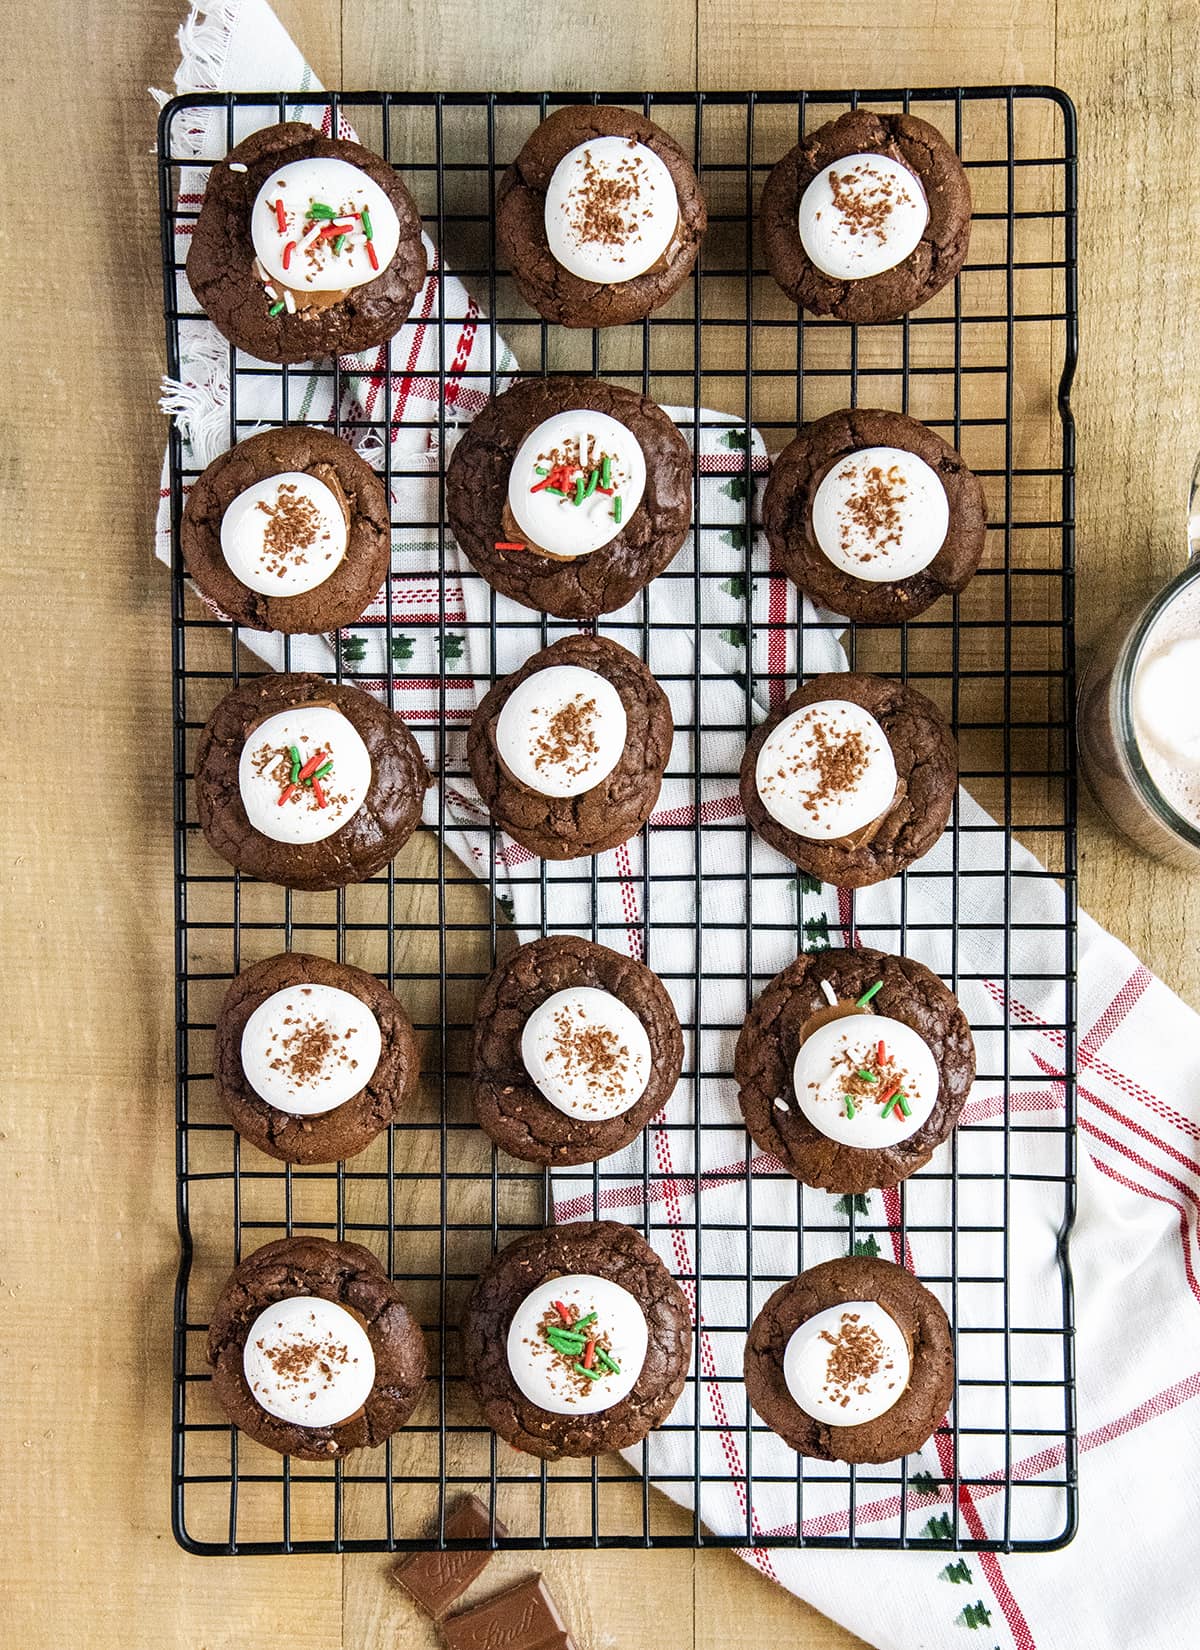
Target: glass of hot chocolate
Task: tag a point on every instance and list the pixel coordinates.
(1139, 715)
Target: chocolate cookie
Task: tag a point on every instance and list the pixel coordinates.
(252, 309)
(374, 808)
(601, 580)
(510, 1106)
(925, 759)
(352, 1279)
(878, 514)
(310, 1046)
(936, 257)
(288, 528)
(608, 812)
(573, 1265)
(603, 216)
(850, 1096)
(853, 1358)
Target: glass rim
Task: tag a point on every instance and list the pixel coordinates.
(1127, 663)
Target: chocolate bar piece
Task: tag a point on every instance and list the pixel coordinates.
(524, 1617)
(435, 1579)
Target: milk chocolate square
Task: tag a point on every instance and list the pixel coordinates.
(524, 1617)
(435, 1579)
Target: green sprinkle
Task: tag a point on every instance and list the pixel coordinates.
(538, 471)
(610, 1364)
(592, 1374)
(322, 770)
(318, 210)
(593, 482)
(579, 489)
(606, 471)
(554, 1333)
(366, 223)
(850, 1106)
(582, 1323)
(339, 242)
(276, 308)
(867, 1076)
(867, 995)
(617, 507)
(294, 753)
(887, 1109)
(557, 491)
(902, 1106)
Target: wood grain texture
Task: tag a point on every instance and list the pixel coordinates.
(761, 44)
(86, 1213)
(1133, 77)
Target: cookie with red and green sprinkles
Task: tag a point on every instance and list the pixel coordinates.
(570, 495)
(576, 1340)
(853, 1067)
(305, 246)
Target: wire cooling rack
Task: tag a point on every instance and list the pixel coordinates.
(989, 365)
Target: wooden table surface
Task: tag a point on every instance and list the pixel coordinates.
(88, 1229)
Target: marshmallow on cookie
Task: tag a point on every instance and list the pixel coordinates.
(321, 227)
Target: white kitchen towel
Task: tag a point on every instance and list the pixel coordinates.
(1128, 1579)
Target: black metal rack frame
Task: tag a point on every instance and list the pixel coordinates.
(990, 364)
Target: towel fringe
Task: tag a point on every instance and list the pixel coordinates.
(204, 38)
(199, 403)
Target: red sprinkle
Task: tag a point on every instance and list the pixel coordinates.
(589, 1353)
(371, 253)
(319, 794)
(311, 766)
(895, 1089)
(287, 253)
(281, 217)
(880, 1052)
(289, 791)
(563, 1313)
(329, 231)
(560, 477)
(501, 545)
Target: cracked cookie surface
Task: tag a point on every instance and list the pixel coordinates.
(601, 1248)
(521, 224)
(353, 1278)
(926, 759)
(344, 596)
(919, 1409)
(327, 1137)
(602, 582)
(220, 265)
(390, 812)
(936, 259)
(796, 475)
(770, 1039)
(571, 827)
(509, 1106)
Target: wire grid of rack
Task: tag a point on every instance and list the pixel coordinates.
(988, 364)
